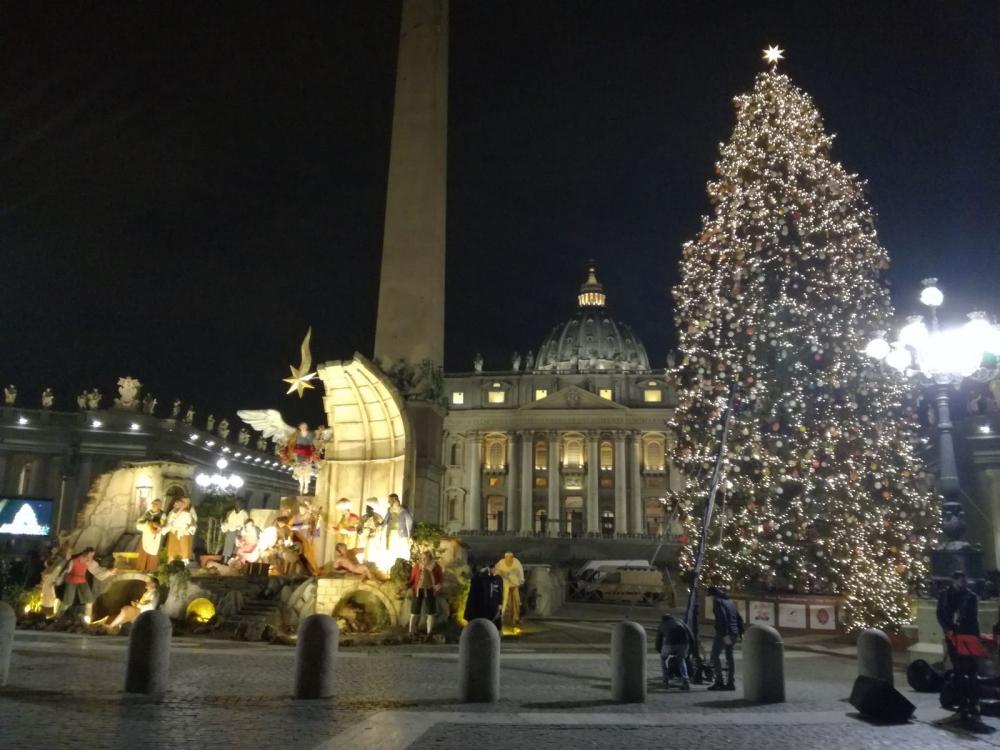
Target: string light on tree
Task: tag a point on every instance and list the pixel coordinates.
(780, 293)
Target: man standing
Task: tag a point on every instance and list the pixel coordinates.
(510, 569)
(150, 524)
(399, 528)
(485, 600)
(77, 586)
(235, 521)
(425, 585)
(958, 615)
(727, 631)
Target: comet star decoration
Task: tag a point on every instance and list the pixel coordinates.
(301, 376)
(779, 293)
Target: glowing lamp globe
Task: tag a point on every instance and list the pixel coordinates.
(222, 463)
(931, 296)
(979, 332)
(236, 481)
(914, 333)
(203, 480)
(878, 348)
(950, 353)
(899, 358)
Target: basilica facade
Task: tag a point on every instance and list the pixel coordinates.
(572, 443)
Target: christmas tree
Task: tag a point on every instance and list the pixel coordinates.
(779, 294)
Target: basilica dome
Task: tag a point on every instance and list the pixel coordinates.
(592, 341)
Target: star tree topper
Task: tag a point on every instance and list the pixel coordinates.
(773, 54)
(301, 376)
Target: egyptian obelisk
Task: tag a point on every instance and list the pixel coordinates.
(410, 325)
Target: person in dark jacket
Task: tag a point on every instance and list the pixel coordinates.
(485, 596)
(958, 607)
(727, 632)
(674, 641)
(958, 616)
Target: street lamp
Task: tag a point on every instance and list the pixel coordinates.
(219, 483)
(943, 358)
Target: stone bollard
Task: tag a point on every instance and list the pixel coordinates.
(763, 665)
(147, 669)
(316, 656)
(875, 655)
(479, 663)
(7, 622)
(628, 663)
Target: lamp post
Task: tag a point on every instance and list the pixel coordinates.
(943, 358)
(219, 483)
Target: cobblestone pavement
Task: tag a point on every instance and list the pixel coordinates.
(65, 691)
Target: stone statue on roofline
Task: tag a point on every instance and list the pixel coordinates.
(10, 394)
(94, 399)
(47, 398)
(223, 431)
(189, 416)
(129, 390)
(477, 362)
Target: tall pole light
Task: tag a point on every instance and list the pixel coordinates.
(942, 359)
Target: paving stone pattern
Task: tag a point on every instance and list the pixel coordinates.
(65, 692)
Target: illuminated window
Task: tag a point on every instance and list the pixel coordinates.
(606, 483)
(607, 393)
(494, 481)
(541, 393)
(653, 458)
(607, 456)
(652, 396)
(495, 457)
(496, 397)
(573, 452)
(541, 482)
(458, 397)
(541, 456)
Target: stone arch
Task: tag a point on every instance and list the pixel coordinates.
(111, 594)
(332, 591)
(367, 453)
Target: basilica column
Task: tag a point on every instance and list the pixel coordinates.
(621, 502)
(527, 483)
(555, 522)
(39, 476)
(638, 521)
(474, 503)
(3, 473)
(593, 468)
(513, 510)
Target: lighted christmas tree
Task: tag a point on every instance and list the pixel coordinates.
(779, 294)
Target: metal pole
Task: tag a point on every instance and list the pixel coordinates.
(946, 442)
(691, 615)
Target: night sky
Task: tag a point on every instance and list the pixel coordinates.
(186, 187)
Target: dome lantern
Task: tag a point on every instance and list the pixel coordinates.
(591, 291)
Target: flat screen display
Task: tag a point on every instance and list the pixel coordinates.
(25, 516)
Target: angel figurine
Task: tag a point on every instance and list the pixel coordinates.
(298, 444)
